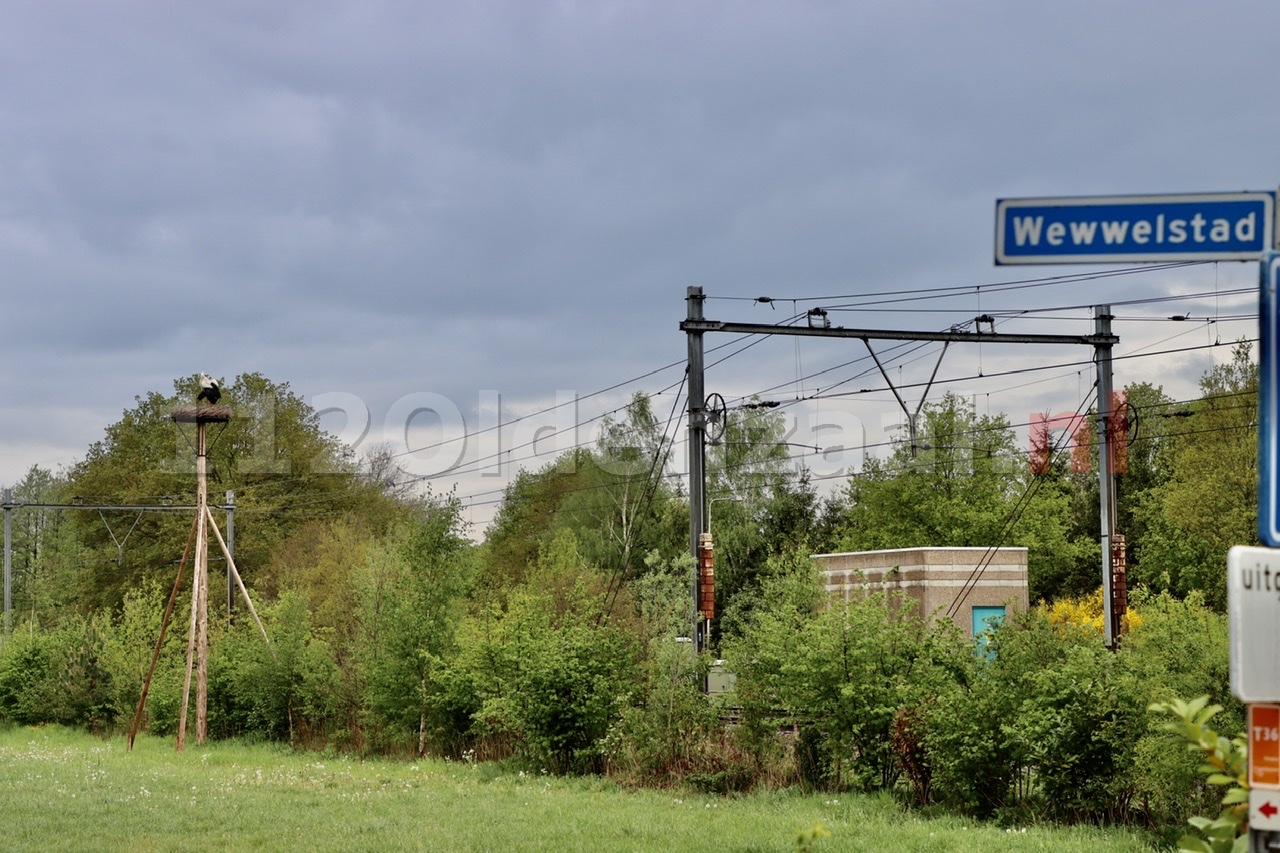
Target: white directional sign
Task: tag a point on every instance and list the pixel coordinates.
(1253, 619)
(1264, 810)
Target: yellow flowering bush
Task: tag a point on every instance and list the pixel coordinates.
(1086, 612)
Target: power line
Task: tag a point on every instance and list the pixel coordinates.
(1012, 518)
(817, 396)
(990, 287)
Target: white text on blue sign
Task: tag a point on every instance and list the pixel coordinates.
(1125, 229)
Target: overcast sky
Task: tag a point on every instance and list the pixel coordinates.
(400, 201)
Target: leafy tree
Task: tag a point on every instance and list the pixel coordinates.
(750, 460)
(380, 468)
(1209, 501)
(287, 691)
(759, 503)
(623, 507)
(315, 563)
(1149, 462)
(1151, 417)
(411, 594)
(663, 605)
(968, 485)
(284, 469)
(615, 499)
(530, 506)
(44, 551)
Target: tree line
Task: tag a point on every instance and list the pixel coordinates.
(559, 639)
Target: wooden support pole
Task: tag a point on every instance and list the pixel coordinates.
(191, 648)
(231, 567)
(164, 626)
(202, 591)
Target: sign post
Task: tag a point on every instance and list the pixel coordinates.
(1253, 585)
(1253, 620)
(1268, 402)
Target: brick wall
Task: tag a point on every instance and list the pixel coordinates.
(934, 577)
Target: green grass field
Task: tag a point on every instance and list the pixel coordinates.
(64, 790)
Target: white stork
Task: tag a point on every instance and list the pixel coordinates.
(209, 390)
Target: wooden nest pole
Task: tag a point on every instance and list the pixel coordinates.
(198, 626)
(198, 630)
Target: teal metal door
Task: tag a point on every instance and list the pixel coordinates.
(986, 618)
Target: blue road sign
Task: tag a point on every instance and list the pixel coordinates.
(1268, 400)
(1135, 229)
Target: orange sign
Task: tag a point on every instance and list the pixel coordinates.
(1264, 746)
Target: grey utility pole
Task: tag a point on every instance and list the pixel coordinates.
(1106, 476)
(697, 456)
(8, 560)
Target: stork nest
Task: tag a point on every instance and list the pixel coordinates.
(200, 414)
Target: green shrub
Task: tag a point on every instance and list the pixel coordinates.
(672, 729)
(1180, 648)
(410, 591)
(287, 690)
(972, 764)
(1225, 763)
(1053, 725)
(841, 670)
(127, 649)
(26, 662)
(551, 672)
(978, 732)
(1077, 733)
(813, 759)
(548, 680)
(57, 677)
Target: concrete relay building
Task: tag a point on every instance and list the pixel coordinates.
(989, 581)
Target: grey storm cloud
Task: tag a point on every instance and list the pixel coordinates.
(382, 198)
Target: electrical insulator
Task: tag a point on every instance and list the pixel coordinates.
(706, 577)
